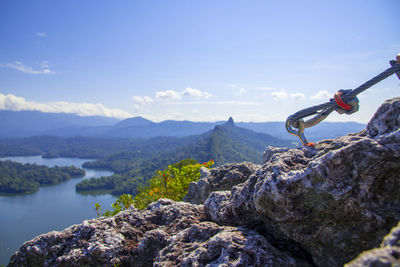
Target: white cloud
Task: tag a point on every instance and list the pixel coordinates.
(241, 92)
(15, 103)
(174, 95)
(17, 65)
(323, 94)
(237, 103)
(298, 96)
(41, 34)
(168, 95)
(279, 95)
(196, 93)
(142, 100)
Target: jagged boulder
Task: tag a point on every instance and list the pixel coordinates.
(219, 179)
(387, 255)
(332, 201)
(131, 237)
(167, 233)
(207, 244)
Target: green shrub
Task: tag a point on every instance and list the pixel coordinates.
(172, 183)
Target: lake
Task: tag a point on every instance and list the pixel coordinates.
(55, 207)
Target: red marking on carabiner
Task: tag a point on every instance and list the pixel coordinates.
(339, 101)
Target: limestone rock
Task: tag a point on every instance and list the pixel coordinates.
(132, 236)
(207, 244)
(386, 119)
(333, 201)
(219, 179)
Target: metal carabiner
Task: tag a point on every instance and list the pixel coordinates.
(349, 104)
(300, 130)
(301, 125)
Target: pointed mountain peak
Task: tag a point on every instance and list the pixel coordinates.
(227, 125)
(230, 122)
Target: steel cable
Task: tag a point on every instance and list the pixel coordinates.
(324, 109)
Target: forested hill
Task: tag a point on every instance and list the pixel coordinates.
(26, 178)
(226, 143)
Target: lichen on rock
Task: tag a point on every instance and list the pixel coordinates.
(131, 237)
(207, 244)
(219, 179)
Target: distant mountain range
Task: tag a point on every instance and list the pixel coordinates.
(225, 143)
(136, 160)
(34, 123)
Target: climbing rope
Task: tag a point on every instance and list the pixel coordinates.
(344, 101)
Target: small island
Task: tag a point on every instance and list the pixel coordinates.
(18, 178)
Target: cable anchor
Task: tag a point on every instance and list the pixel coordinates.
(344, 101)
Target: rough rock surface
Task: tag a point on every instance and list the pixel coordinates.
(132, 236)
(212, 245)
(318, 206)
(387, 255)
(333, 201)
(168, 233)
(219, 179)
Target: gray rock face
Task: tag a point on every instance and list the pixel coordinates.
(219, 179)
(387, 255)
(318, 206)
(132, 236)
(168, 233)
(386, 119)
(333, 201)
(207, 244)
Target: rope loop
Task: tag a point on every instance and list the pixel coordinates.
(348, 107)
(340, 102)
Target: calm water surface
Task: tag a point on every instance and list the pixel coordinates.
(22, 217)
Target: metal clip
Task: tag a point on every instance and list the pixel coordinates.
(300, 125)
(299, 133)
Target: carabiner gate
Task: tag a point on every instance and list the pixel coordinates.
(300, 130)
(301, 125)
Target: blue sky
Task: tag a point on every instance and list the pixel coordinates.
(194, 60)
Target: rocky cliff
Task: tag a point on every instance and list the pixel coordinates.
(319, 206)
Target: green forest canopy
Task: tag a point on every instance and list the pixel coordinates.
(26, 178)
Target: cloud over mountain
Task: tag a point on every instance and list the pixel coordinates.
(170, 95)
(15, 103)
